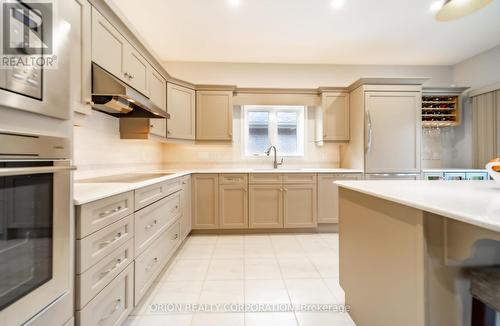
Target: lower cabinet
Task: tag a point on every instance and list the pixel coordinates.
(265, 206)
(233, 206)
(205, 201)
(112, 305)
(299, 202)
(186, 207)
(328, 205)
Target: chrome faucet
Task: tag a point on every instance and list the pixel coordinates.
(276, 163)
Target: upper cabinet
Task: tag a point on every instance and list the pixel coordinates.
(112, 51)
(214, 115)
(158, 95)
(335, 107)
(182, 109)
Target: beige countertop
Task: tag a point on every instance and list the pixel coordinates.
(472, 202)
(86, 191)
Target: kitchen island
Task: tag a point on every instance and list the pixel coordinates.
(405, 247)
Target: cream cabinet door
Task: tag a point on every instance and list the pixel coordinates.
(328, 193)
(108, 45)
(233, 206)
(136, 70)
(299, 205)
(214, 115)
(335, 116)
(265, 206)
(182, 109)
(205, 201)
(186, 207)
(157, 88)
(389, 114)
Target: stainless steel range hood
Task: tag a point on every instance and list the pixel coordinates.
(112, 96)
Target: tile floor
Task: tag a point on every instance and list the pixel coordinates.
(263, 273)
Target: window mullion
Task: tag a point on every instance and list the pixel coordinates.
(273, 128)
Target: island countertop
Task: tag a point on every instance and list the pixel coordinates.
(472, 202)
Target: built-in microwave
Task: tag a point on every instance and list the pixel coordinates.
(27, 81)
(35, 224)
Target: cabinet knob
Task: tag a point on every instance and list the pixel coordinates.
(169, 132)
(126, 74)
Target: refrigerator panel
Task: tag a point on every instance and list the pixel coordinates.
(392, 132)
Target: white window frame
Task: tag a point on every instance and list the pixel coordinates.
(273, 127)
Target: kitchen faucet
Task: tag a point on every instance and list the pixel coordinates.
(276, 163)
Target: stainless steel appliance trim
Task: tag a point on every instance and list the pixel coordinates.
(37, 170)
(14, 145)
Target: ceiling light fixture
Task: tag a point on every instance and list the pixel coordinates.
(436, 5)
(234, 3)
(455, 9)
(336, 4)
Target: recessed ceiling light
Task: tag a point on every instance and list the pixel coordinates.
(455, 9)
(234, 3)
(336, 4)
(436, 5)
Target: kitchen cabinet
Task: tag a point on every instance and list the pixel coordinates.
(158, 95)
(214, 115)
(108, 45)
(335, 107)
(112, 51)
(485, 128)
(81, 47)
(205, 194)
(233, 206)
(186, 207)
(299, 205)
(265, 206)
(182, 109)
(328, 193)
(389, 114)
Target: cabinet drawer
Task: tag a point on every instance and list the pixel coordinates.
(154, 219)
(90, 283)
(265, 178)
(174, 186)
(94, 216)
(149, 264)
(299, 178)
(112, 305)
(96, 246)
(150, 194)
(231, 179)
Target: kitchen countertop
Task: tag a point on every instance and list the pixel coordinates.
(472, 202)
(454, 170)
(88, 191)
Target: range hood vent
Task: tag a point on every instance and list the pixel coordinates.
(112, 96)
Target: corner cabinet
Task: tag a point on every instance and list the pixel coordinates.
(335, 107)
(205, 194)
(214, 115)
(182, 109)
(158, 95)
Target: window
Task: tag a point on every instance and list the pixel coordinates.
(281, 126)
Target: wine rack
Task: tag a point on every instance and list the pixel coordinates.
(440, 111)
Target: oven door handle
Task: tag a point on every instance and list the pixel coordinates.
(4, 172)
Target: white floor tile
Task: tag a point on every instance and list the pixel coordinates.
(266, 269)
(327, 268)
(188, 270)
(226, 269)
(202, 239)
(178, 292)
(297, 268)
(257, 239)
(259, 251)
(160, 320)
(266, 292)
(220, 292)
(196, 251)
(224, 251)
(274, 319)
(227, 319)
(334, 286)
(230, 240)
(309, 291)
(323, 319)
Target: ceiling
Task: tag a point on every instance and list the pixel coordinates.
(395, 32)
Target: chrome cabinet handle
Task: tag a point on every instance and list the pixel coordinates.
(131, 76)
(148, 268)
(126, 75)
(108, 242)
(114, 210)
(118, 262)
(176, 236)
(117, 306)
(370, 132)
(149, 226)
(169, 132)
